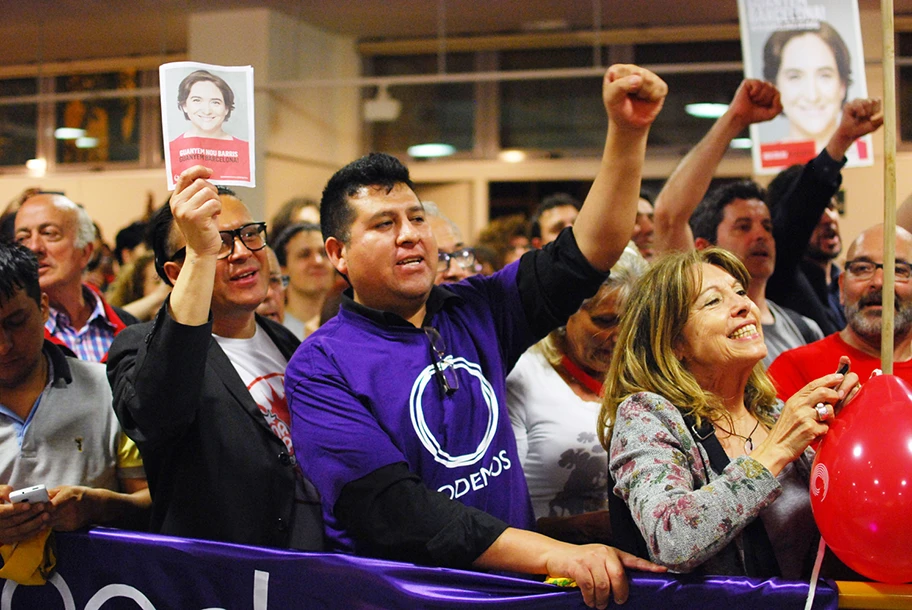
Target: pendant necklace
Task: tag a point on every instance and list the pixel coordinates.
(749, 439)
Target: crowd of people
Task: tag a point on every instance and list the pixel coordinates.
(592, 390)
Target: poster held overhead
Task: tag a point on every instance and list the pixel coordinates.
(207, 119)
(811, 50)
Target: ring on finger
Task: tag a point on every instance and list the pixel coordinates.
(823, 411)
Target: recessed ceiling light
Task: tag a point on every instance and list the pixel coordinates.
(86, 142)
(68, 133)
(426, 151)
(706, 110)
(36, 167)
(512, 156)
(741, 143)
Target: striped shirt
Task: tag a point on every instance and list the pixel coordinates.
(92, 341)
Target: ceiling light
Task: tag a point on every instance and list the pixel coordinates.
(512, 156)
(86, 142)
(427, 151)
(383, 108)
(741, 143)
(68, 133)
(36, 167)
(706, 110)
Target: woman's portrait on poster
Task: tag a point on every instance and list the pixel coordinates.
(206, 101)
(811, 67)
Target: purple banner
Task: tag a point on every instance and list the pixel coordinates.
(110, 569)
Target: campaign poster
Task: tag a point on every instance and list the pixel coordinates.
(811, 50)
(207, 119)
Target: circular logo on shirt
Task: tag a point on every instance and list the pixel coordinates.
(427, 438)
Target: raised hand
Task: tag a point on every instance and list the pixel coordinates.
(859, 118)
(755, 101)
(633, 96)
(195, 204)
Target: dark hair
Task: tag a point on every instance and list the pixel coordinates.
(375, 169)
(160, 237)
(286, 216)
(200, 76)
(556, 200)
(648, 196)
(18, 271)
(128, 238)
(281, 244)
(781, 185)
(772, 51)
(705, 220)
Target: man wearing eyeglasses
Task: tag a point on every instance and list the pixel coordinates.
(200, 389)
(455, 260)
(861, 293)
(399, 401)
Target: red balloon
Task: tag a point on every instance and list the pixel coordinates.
(861, 482)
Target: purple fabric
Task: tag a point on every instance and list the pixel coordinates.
(364, 395)
(194, 574)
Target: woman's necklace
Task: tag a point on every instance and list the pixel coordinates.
(587, 380)
(748, 440)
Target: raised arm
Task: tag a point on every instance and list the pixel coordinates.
(633, 98)
(196, 206)
(859, 118)
(904, 214)
(755, 101)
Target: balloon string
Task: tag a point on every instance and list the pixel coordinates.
(815, 574)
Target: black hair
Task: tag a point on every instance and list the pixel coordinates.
(281, 243)
(705, 220)
(648, 196)
(199, 76)
(375, 169)
(781, 185)
(555, 200)
(128, 238)
(160, 238)
(18, 271)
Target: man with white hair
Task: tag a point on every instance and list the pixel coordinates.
(455, 260)
(61, 235)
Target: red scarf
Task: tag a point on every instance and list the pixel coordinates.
(593, 384)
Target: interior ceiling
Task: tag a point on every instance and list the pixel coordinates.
(53, 30)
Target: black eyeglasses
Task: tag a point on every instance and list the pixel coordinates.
(253, 234)
(864, 270)
(464, 257)
(443, 370)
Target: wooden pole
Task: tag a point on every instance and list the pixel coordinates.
(889, 258)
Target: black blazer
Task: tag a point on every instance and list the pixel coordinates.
(215, 469)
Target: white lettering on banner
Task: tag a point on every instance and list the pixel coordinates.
(478, 480)
(260, 594)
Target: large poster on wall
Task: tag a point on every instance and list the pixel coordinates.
(812, 51)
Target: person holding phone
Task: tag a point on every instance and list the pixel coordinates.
(57, 427)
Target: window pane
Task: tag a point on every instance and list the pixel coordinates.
(18, 123)
(673, 126)
(430, 113)
(551, 115)
(112, 125)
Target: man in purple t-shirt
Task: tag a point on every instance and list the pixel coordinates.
(398, 403)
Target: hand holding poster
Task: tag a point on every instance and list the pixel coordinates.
(811, 50)
(207, 119)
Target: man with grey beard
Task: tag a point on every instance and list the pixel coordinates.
(861, 294)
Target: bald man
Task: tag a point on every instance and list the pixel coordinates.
(861, 292)
(61, 235)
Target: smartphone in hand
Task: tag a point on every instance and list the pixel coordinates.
(30, 495)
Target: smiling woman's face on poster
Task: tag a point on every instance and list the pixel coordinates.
(206, 101)
(811, 70)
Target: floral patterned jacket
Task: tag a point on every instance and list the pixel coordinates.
(657, 464)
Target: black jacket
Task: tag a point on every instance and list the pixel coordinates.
(215, 469)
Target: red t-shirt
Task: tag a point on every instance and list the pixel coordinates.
(228, 159)
(794, 369)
